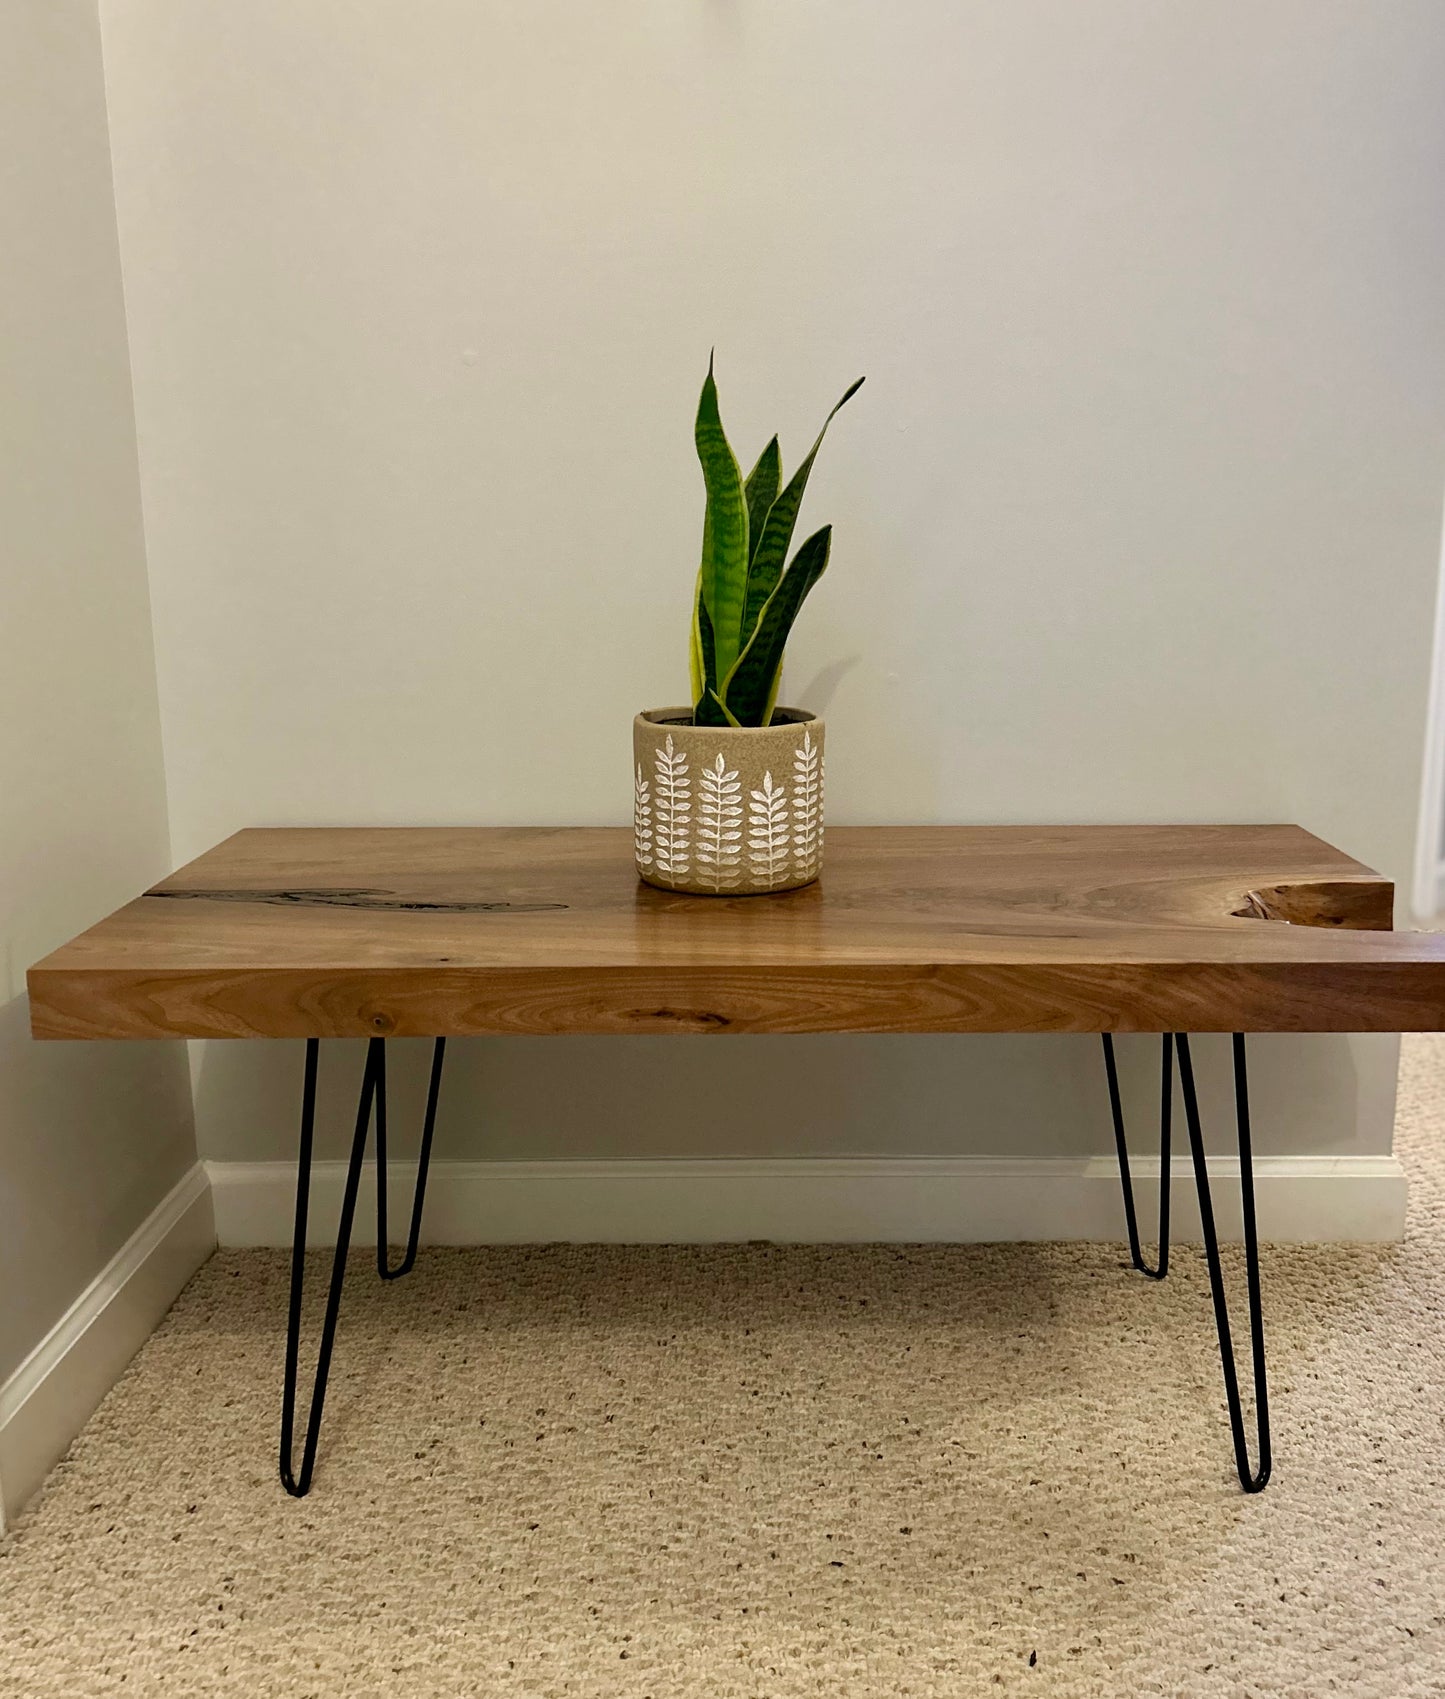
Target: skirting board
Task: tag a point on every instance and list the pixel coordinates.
(1301, 1199)
(49, 1398)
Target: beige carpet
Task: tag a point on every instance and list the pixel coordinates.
(753, 1472)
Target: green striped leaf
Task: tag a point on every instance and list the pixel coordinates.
(750, 687)
(706, 709)
(766, 565)
(725, 529)
(726, 712)
(761, 491)
(700, 666)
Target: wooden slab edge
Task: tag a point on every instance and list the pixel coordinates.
(1389, 995)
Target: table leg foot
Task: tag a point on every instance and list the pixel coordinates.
(297, 1481)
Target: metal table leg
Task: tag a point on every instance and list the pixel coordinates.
(1166, 1105)
(373, 1093)
(1251, 1478)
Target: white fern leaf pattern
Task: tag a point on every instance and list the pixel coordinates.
(768, 829)
(719, 825)
(807, 799)
(672, 811)
(822, 787)
(642, 819)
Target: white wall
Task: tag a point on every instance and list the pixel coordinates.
(1137, 518)
(92, 1137)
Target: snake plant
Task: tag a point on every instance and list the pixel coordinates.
(747, 598)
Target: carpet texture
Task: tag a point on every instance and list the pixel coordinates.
(756, 1472)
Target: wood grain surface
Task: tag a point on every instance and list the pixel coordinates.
(302, 932)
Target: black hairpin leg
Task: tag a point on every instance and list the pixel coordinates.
(373, 1092)
(438, 1057)
(1252, 1480)
(1166, 1106)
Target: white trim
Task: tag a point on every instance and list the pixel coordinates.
(1302, 1199)
(1426, 893)
(49, 1398)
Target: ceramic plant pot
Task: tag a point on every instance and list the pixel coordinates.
(728, 811)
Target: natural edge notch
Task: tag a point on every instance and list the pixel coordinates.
(1356, 905)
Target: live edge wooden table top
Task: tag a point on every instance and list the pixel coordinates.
(337, 932)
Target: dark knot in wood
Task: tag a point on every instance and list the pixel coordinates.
(364, 899)
(697, 1020)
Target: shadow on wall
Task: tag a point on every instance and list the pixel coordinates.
(829, 1095)
(92, 1136)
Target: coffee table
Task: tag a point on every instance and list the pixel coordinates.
(445, 932)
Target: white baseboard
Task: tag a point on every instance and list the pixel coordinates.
(1302, 1199)
(49, 1398)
